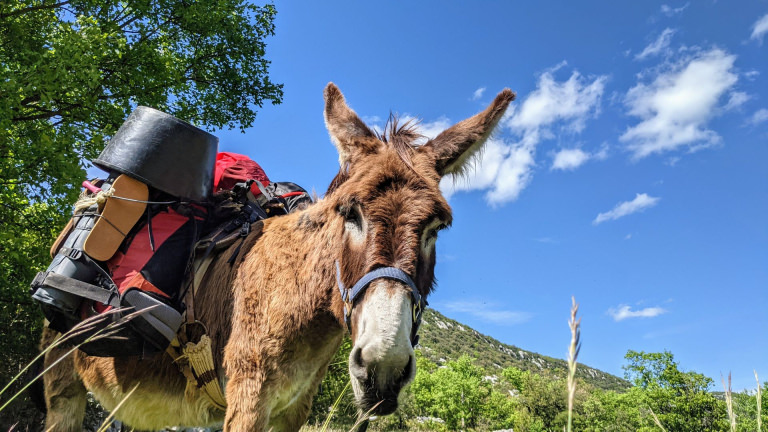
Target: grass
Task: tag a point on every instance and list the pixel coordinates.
(84, 326)
(573, 353)
(729, 402)
(656, 420)
(574, 324)
(759, 404)
(334, 408)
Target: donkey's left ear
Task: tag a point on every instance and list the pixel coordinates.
(349, 134)
(455, 146)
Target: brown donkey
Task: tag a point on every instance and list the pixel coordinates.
(277, 317)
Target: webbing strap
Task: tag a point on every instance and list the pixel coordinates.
(79, 288)
(350, 295)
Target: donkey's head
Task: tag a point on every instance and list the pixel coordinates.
(389, 210)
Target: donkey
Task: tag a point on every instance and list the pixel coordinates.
(361, 259)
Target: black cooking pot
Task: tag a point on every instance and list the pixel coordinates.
(164, 152)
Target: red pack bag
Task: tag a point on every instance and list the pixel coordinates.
(234, 168)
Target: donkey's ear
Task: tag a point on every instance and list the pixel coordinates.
(347, 131)
(455, 146)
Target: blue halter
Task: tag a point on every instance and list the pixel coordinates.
(350, 295)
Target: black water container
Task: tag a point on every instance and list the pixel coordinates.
(164, 152)
(60, 307)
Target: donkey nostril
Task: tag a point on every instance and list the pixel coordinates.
(357, 357)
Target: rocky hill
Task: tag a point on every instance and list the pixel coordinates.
(444, 339)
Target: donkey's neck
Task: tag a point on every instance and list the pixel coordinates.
(299, 251)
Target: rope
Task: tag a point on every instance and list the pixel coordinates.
(87, 201)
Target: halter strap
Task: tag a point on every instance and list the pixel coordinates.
(350, 295)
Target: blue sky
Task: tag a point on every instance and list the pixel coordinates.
(630, 173)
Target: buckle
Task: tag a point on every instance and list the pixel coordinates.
(73, 254)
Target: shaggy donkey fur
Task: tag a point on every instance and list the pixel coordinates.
(276, 316)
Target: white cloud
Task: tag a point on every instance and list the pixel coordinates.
(485, 172)
(736, 100)
(759, 116)
(488, 312)
(569, 159)
(670, 11)
(374, 119)
(478, 93)
(506, 165)
(640, 203)
(676, 106)
(571, 102)
(623, 312)
(431, 129)
(513, 175)
(660, 45)
(760, 28)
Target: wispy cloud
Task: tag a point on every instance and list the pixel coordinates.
(623, 312)
(659, 46)
(569, 159)
(506, 165)
(759, 116)
(640, 203)
(674, 109)
(760, 28)
(549, 240)
(670, 11)
(372, 119)
(488, 312)
(478, 93)
(570, 102)
(736, 99)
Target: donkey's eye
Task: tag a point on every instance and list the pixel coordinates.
(433, 232)
(351, 215)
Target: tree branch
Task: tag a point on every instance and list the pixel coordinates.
(22, 11)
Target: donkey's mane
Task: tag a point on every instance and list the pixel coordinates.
(402, 137)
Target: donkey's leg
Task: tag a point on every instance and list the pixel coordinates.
(246, 410)
(294, 417)
(65, 395)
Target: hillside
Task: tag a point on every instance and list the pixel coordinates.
(444, 339)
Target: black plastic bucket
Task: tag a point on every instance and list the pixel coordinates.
(164, 152)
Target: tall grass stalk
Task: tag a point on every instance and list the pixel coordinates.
(361, 425)
(759, 404)
(573, 354)
(656, 420)
(334, 408)
(108, 421)
(729, 402)
(80, 328)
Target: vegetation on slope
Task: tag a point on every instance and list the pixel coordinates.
(445, 339)
(469, 381)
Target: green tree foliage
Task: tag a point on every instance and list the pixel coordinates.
(453, 393)
(516, 377)
(70, 72)
(609, 411)
(462, 395)
(681, 400)
(745, 409)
